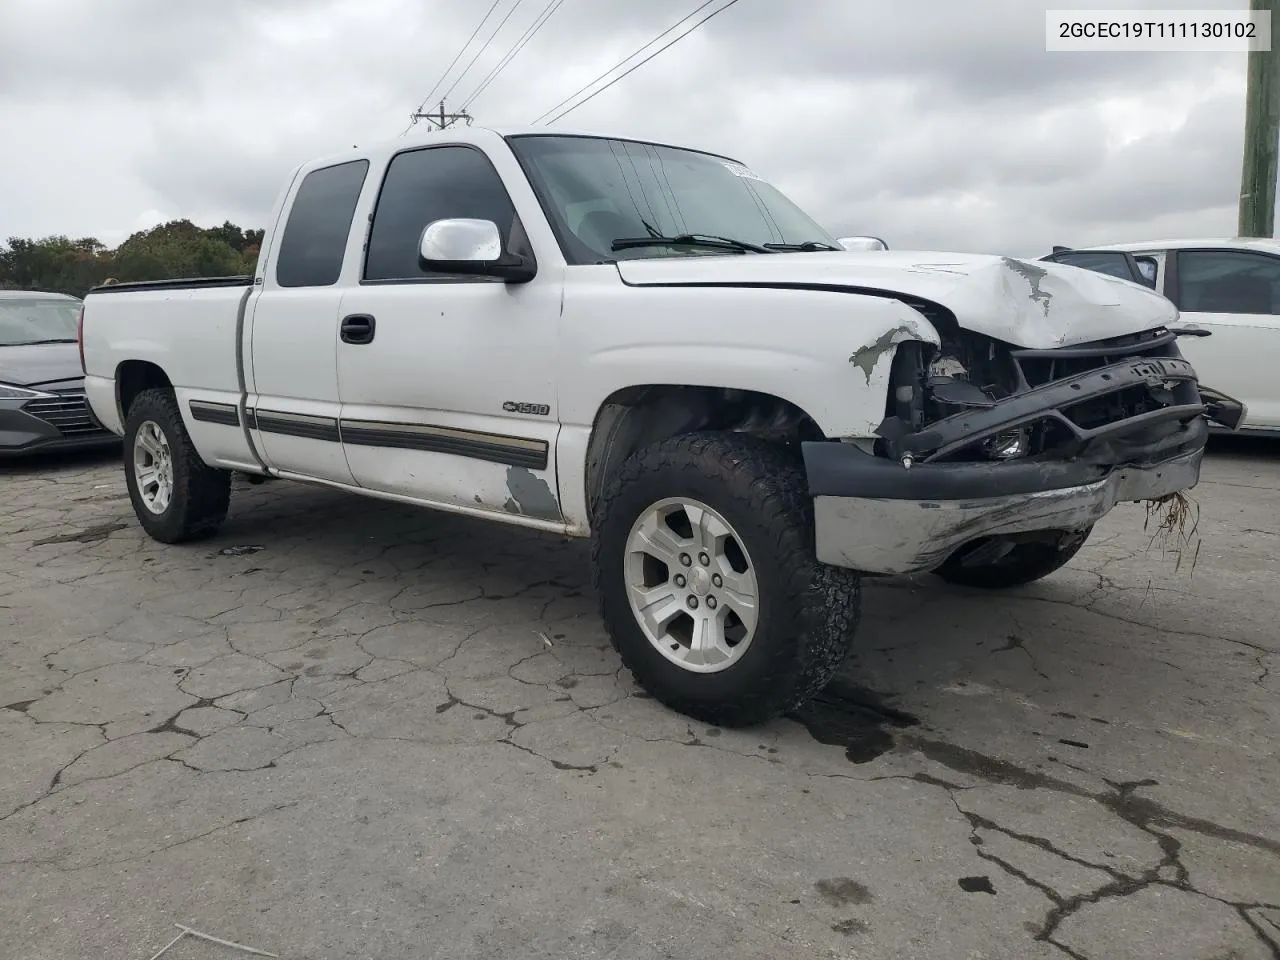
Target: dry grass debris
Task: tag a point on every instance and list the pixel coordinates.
(1175, 517)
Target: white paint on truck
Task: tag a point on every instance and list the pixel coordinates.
(533, 327)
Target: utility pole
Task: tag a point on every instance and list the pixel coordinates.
(439, 119)
(1261, 133)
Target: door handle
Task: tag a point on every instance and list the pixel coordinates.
(357, 328)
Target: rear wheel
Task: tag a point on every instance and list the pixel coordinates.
(993, 565)
(176, 496)
(707, 581)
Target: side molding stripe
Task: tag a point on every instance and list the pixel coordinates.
(207, 411)
(492, 447)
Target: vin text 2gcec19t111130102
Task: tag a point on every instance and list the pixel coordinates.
(653, 348)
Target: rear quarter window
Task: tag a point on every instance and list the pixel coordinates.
(315, 235)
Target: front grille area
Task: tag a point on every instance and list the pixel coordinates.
(978, 399)
(1138, 404)
(1035, 368)
(68, 411)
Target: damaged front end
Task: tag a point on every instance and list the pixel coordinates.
(986, 445)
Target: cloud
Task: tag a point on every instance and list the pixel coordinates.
(934, 125)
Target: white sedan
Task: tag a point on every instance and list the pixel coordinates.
(1228, 287)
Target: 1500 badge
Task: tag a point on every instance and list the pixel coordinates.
(535, 409)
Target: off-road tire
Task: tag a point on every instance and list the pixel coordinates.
(1025, 563)
(808, 611)
(201, 494)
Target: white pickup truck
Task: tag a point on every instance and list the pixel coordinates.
(653, 348)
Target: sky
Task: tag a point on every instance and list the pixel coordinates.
(934, 124)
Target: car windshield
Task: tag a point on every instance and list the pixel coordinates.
(35, 320)
(598, 191)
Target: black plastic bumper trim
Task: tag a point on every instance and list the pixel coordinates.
(843, 470)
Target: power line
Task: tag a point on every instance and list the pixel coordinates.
(457, 57)
(483, 48)
(547, 13)
(637, 52)
(711, 15)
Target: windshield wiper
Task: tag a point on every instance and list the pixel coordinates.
(690, 240)
(806, 246)
(33, 343)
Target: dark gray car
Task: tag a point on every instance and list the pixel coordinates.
(42, 403)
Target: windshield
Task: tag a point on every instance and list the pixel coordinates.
(37, 321)
(597, 191)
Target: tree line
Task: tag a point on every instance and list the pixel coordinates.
(179, 248)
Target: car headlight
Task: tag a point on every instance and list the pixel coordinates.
(9, 392)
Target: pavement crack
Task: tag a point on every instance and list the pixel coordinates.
(1015, 642)
(1123, 801)
(53, 783)
(181, 843)
(558, 764)
(1141, 812)
(1269, 941)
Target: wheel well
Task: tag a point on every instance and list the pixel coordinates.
(635, 417)
(134, 376)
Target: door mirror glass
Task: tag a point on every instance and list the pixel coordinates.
(863, 243)
(471, 247)
(461, 241)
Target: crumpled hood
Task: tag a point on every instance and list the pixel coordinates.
(40, 365)
(1028, 303)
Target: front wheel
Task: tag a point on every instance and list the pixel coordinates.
(1023, 563)
(704, 567)
(177, 497)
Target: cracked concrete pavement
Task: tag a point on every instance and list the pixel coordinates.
(346, 728)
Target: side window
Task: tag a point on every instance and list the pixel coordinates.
(1228, 281)
(1112, 264)
(315, 236)
(422, 186)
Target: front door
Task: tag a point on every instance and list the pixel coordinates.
(1235, 294)
(447, 382)
(291, 369)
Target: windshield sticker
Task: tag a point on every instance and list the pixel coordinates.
(738, 170)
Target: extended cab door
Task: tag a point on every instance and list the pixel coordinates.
(1235, 294)
(448, 382)
(292, 337)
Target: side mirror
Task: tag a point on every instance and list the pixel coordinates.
(471, 248)
(863, 243)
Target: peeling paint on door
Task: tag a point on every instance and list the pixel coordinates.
(530, 495)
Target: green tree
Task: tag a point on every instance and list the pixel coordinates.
(170, 250)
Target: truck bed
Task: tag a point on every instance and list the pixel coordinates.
(187, 331)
